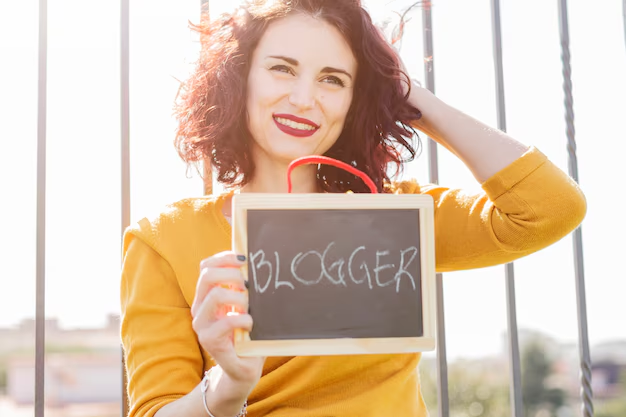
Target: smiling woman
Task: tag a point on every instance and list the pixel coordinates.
(278, 80)
(301, 76)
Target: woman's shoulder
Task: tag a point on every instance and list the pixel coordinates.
(178, 223)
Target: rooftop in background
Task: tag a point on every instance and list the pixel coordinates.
(21, 338)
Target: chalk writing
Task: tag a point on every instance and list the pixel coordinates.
(261, 263)
(264, 271)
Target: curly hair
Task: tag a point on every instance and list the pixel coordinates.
(211, 108)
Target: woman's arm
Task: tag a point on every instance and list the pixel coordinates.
(163, 358)
(164, 361)
(483, 149)
(528, 203)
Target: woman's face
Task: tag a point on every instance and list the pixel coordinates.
(300, 87)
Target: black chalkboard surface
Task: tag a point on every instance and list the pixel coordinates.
(331, 274)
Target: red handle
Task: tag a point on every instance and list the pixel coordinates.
(329, 161)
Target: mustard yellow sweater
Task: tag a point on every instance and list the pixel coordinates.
(525, 207)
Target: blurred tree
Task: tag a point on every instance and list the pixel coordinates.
(536, 369)
(3, 379)
(480, 388)
(476, 388)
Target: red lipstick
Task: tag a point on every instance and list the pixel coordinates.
(293, 131)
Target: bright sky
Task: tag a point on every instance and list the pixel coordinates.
(83, 177)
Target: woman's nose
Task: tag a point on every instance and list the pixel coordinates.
(302, 94)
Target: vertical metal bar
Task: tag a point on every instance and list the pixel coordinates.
(515, 386)
(433, 177)
(125, 146)
(515, 389)
(583, 337)
(125, 113)
(207, 177)
(624, 18)
(429, 74)
(497, 60)
(40, 309)
(442, 360)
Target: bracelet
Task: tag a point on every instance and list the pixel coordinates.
(204, 386)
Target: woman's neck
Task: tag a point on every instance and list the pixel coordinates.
(271, 177)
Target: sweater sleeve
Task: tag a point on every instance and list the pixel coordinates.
(163, 358)
(526, 207)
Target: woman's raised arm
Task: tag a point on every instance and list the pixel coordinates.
(483, 149)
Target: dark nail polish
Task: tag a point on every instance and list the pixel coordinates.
(241, 258)
(247, 285)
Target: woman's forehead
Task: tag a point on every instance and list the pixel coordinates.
(310, 41)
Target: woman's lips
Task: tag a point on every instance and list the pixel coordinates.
(295, 126)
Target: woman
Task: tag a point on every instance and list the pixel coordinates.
(279, 80)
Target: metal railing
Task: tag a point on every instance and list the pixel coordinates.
(433, 177)
(125, 145)
(429, 71)
(581, 303)
(40, 306)
(515, 386)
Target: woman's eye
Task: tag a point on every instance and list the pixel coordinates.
(282, 68)
(333, 80)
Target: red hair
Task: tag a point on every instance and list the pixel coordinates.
(211, 110)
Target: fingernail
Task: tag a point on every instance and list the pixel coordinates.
(241, 258)
(246, 284)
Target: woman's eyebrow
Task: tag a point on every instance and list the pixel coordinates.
(295, 63)
(292, 61)
(327, 70)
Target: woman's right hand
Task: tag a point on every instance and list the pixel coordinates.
(220, 290)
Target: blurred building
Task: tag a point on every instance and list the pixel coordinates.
(22, 337)
(69, 379)
(608, 370)
(81, 365)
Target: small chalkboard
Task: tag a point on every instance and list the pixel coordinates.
(336, 273)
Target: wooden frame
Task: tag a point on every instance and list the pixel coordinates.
(244, 346)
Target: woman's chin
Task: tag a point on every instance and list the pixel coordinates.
(283, 151)
(286, 156)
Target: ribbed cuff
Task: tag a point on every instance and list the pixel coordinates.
(519, 169)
